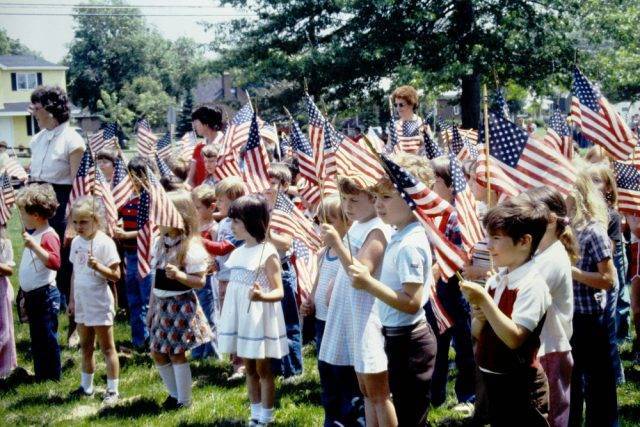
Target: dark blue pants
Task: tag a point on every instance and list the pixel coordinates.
(460, 334)
(59, 224)
(593, 378)
(623, 306)
(291, 364)
(610, 317)
(210, 303)
(341, 397)
(42, 306)
(138, 293)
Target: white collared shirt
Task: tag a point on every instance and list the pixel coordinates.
(50, 152)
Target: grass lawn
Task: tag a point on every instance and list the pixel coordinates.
(215, 400)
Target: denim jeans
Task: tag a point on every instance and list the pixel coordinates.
(610, 319)
(623, 307)
(291, 364)
(138, 292)
(42, 306)
(210, 303)
(460, 334)
(340, 395)
(593, 377)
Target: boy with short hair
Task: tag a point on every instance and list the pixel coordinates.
(210, 156)
(40, 261)
(106, 161)
(509, 313)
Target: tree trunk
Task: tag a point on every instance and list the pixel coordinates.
(470, 101)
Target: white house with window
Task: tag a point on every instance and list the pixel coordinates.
(19, 75)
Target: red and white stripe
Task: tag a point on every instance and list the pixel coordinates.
(146, 141)
(561, 144)
(352, 156)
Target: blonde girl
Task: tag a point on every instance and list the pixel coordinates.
(176, 321)
(95, 262)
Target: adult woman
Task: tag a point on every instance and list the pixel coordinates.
(405, 100)
(56, 152)
(209, 123)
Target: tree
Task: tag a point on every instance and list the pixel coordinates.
(145, 97)
(111, 110)
(9, 46)
(344, 48)
(184, 119)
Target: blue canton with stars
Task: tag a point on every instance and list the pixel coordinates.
(432, 149)
(143, 209)
(559, 124)
(585, 91)
(457, 176)
(456, 140)
(164, 142)
(164, 169)
(254, 134)
(393, 135)
(109, 131)
(315, 117)
(410, 127)
(300, 142)
(401, 179)
(627, 176)
(507, 141)
(243, 115)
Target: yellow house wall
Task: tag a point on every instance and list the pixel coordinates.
(49, 77)
(20, 137)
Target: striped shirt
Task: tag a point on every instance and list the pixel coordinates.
(129, 213)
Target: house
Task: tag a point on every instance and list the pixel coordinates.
(19, 76)
(219, 90)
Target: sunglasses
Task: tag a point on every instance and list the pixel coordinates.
(400, 104)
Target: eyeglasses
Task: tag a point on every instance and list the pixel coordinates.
(400, 104)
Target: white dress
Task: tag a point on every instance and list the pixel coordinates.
(251, 329)
(353, 332)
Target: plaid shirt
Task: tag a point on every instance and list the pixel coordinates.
(595, 247)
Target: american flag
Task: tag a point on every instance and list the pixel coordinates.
(309, 192)
(304, 263)
(427, 205)
(256, 166)
(163, 167)
(465, 204)
(84, 180)
(285, 147)
(461, 146)
(598, 120)
(105, 138)
(316, 129)
(164, 146)
(146, 139)
(163, 211)
(121, 186)
(102, 190)
(393, 144)
(432, 149)
(517, 162)
(146, 231)
(628, 182)
(269, 132)
(235, 137)
(187, 145)
(7, 199)
(559, 135)
(500, 105)
(305, 154)
(354, 157)
(287, 219)
(409, 136)
(328, 167)
(15, 169)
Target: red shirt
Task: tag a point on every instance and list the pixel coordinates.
(201, 172)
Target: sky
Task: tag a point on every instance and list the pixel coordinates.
(51, 35)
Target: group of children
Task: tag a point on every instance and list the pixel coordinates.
(533, 329)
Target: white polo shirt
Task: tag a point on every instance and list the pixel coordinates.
(50, 151)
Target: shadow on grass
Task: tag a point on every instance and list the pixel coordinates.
(629, 412)
(133, 407)
(303, 392)
(134, 359)
(23, 347)
(216, 373)
(632, 375)
(44, 399)
(227, 422)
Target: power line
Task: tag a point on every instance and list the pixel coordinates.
(201, 15)
(104, 6)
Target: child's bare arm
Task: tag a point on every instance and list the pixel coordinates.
(111, 272)
(274, 277)
(5, 269)
(282, 242)
(192, 280)
(601, 279)
(50, 259)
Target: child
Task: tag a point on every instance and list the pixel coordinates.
(40, 261)
(226, 191)
(593, 380)
(401, 293)
(557, 251)
(204, 200)
(106, 160)
(336, 399)
(508, 315)
(451, 299)
(138, 290)
(252, 322)
(95, 262)
(353, 333)
(177, 323)
(210, 156)
(8, 357)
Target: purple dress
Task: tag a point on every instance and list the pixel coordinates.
(8, 359)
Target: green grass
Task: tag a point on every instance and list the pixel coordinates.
(215, 400)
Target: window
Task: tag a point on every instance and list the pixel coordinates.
(32, 126)
(456, 110)
(26, 81)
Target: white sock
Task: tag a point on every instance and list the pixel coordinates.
(86, 381)
(256, 411)
(267, 415)
(112, 385)
(182, 373)
(168, 378)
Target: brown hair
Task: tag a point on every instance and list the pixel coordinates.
(232, 187)
(281, 172)
(179, 166)
(407, 93)
(442, 169)
(253, 211)
(54, 100)
(38, 199)
(418, 166)
(211, 150)
(355, 184)
(107, 154)
(205, 194)
(556, 205)
(517, 217)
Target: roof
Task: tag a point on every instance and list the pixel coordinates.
(14, 109)
(11, 62)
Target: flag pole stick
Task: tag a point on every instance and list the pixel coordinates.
(486, 141)
(24, 230)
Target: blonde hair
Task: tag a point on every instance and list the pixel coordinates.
(182, 201)
(211, 150)
(232, 187)
(603, 172)
(596, 154)
(330, 207)
(418, 166)
(206, 194)
(589, 202)
(92, 207)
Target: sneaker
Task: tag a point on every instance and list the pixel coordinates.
(80, 392)
(170, 403)
(74, 340)
(253, 423)
(291, 380)
(236, 376)
(110, 398)
(183, 405)
(464, 408)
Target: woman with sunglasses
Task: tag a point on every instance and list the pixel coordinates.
(408, 126)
